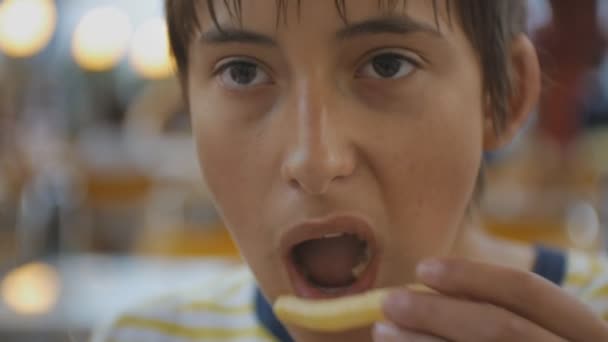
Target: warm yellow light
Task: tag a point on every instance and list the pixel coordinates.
(31, 289)
(150, 53)
(101, 38)
(26, 26)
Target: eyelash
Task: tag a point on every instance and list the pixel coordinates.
(414, 62)
(241, 61)
(231, 62)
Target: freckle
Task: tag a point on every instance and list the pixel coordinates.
(420, 203)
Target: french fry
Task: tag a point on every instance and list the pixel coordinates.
(334, 315)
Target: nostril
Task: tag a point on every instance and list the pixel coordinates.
(312, 165)
(294, 183)
(339, 178)
(315, 176)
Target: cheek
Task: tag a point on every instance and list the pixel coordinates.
(238, 167)
(238, 179)
(226, 160)
(429, 170)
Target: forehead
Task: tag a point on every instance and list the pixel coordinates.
(282, 16)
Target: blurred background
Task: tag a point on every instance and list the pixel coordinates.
(101, 201)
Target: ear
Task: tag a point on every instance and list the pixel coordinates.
(526, 80)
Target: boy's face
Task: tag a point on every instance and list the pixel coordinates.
(317, 127)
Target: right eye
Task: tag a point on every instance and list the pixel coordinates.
(241, 74)
(388, 66)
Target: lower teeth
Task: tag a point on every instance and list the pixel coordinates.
(333, 290)
(358, 270)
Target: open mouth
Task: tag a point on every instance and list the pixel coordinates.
(332, 258)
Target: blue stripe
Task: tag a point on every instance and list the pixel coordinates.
(265, 315)
(550, 264)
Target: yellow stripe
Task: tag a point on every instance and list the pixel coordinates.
(208, 305)
(599, 292)
(605, 316)
(176, 330)
(583, 279)
(578, 279)
(218, 308)
(234, 289)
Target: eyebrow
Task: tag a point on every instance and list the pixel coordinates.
(393, 25)
(230, 35)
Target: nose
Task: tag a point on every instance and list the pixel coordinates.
(320, 153)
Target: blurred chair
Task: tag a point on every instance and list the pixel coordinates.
(179, 216)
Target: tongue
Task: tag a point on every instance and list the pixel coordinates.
(329, 262)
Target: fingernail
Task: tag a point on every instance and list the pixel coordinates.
(396, 305)
(430, 270)
(385, 332)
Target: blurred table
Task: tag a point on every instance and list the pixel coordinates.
(211, 240)
(95, 288)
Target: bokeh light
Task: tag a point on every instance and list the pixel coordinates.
(31, 289)
(26, 26)
(101, 38)
(150, 53)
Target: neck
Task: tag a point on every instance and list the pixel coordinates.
(476, 244)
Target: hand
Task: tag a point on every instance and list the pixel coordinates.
(481, 302)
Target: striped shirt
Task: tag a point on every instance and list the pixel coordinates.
(230, 308)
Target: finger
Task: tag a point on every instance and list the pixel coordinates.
(387, 332)
(460, 320)
(523, 293)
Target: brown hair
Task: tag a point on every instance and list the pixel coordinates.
(490, 26)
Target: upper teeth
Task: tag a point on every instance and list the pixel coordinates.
(333, 235)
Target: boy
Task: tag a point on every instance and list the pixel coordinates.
(342, 142)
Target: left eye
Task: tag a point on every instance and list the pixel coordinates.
(387, 66)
